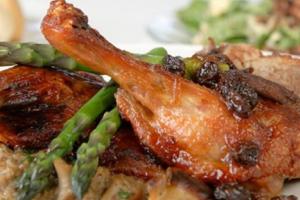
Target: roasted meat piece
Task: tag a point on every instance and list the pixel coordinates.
(125, 155)
(188, 126)
(280, 68)
(35, 103)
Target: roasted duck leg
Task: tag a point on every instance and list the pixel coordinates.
(188, 126)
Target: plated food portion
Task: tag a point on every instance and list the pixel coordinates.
(272, 24)
(221, 124)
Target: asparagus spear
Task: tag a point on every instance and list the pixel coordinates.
(37, 55)
(88, 154)
(44, 55)
(36, 177)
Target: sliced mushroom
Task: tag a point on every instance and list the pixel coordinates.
(63, 171)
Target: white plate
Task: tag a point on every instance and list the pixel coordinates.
(188, 50)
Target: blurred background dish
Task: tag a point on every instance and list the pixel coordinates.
(271, 24)
(268, 24)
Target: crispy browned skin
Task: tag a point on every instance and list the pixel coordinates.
(125, 155)
(35, 103)
(186, 125)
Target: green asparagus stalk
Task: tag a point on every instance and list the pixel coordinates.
(37, 55)
(88, 154)
(36, 178)
(44, 55)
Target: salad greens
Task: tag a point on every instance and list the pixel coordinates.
(238, 21)
(192, 15)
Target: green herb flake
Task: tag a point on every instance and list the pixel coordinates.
(124, 195)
